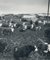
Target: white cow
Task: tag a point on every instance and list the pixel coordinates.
(12, 29)
(39, 27)
(10, 24)
(48, 47)
(39, 21)
(32, 26)
(15, 25)
(44, 22)
(24, 26)
(0, 24)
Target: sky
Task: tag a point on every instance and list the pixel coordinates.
(23, 6)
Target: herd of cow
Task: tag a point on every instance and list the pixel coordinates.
(25, 25)
(25, 50)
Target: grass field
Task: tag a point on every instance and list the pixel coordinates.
(19, 39)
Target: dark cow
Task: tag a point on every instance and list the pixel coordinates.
(23, 51)
(5, 25)
(36, 23)
(47, 35)
(47, 32)
(2, 46)
(7, 31)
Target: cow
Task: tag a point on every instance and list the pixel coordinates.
(12, 25)
(2, 46)
(27, 25)
(44, 49)
(24, 26)
(38, 28)
(8, 31)
(12, 29)
(24, 51)
(48, 47)
(48, 51)
(0, 24)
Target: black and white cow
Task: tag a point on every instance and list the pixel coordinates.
(8, 31)
(44, 50)
(27, 25)
(24, 51)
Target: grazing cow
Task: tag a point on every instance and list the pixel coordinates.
(12, 25)
(7, 31)
(15, 24)
(24, 26)
(48, 51)
(32, 26)
(44, 22)
(48, 47)
(2, 46)
(24, 51)
(0, 24)
(12, 29)
(5, 25)
(28, 25)
(36, 23)
(38, 28)
(47, 33)
(44, 49)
